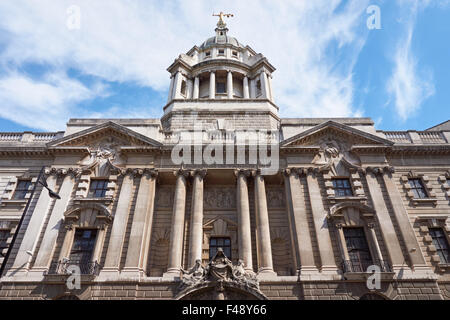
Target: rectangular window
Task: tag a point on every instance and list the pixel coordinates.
(208, 54)
(4, 235)
(98, 188)
(258, 87)
(221, 52)
(21, 189)
(448, 181)
(441, 244)
(418, 188)
(215, 243)
(221, 87)
(342, 188)
(235, 54)
(358, 249)
(83, 246)
(183, 88)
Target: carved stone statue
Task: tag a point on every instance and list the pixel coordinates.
(194, 275)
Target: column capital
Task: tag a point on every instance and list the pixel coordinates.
(153, 173)
(378, 170)
(339, 225)
(371, 225)
(245, 172)
(199, 172)
(181, 172)
(294, 171)
(73, 172)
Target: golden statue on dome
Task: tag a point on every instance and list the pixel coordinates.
(221, 23)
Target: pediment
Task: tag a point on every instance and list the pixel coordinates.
(332, 130)
(105, 133)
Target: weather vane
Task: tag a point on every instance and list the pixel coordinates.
(222, 23)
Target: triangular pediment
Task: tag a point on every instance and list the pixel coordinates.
(337, 131)
(110, 131)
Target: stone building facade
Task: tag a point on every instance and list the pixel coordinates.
(186, 207)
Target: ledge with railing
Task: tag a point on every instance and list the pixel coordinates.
(417, 137)
(349, 267)
(68, 267)
(27, 137)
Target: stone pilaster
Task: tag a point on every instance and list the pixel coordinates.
(246, 88)
(177, 229)
(117, 237)
(212, 85)
(195, 94)
(141, 228)
(384, 219)
(401, 215)
(265, 263)
(47, 247)
(28, 244)
(298, 220)
(244, 228)
(196, 232)
(230, 84)
(321, 223)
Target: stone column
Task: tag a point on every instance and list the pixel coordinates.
(342, 242)
(321, 224)
(265, 264)
(141, 228)
(390, 238)
(47, 247)
(34, 228)
(67, 243)
(244, 228)
(195, 94)
(196, 232)
(376, 245)
(246, 88)
(269, 84)
(212, 85)
(406, 230)
(298, 221)
(117, 237)
(177, 229)
(230, 84)
(264, 86)
(170, 95)
(177, 87)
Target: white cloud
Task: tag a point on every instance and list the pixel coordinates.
(408, 85)
(136, 41)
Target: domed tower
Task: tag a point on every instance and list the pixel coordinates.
(224, 84)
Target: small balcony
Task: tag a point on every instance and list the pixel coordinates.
(68, 267)
(361, 266)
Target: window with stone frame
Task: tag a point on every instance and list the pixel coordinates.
(4, 235)
(83, 248)
(183, 87)
(221, 52)
(221, 87)
(440, 241)
(258, 87)
(418, 188)
(234, 54)
(358, 249)
(207, 54)
(219, 242)
(98, 188)
(22, 188)
(342, 187)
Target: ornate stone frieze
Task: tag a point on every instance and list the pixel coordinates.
(220, 198)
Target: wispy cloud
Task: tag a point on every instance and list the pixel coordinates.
(409, 85)
(313, 44)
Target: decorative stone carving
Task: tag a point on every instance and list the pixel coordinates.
(219, 270)
(275, 198)
(220, 198)
(164, 198)
(336, 156)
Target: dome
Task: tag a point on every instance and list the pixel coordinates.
(220, 39)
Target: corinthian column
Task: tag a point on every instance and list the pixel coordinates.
(196, 232)
(244, 229)
(265, 264)
(177, 229)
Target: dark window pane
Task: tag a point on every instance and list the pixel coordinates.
(417, 188)
(21, 189)
(342, 188)
(221, 88)
(98, 188)
(219, 242)
(441, 244)
(358, 249)
(83, 245)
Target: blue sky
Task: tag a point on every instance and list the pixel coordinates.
(329, 64)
